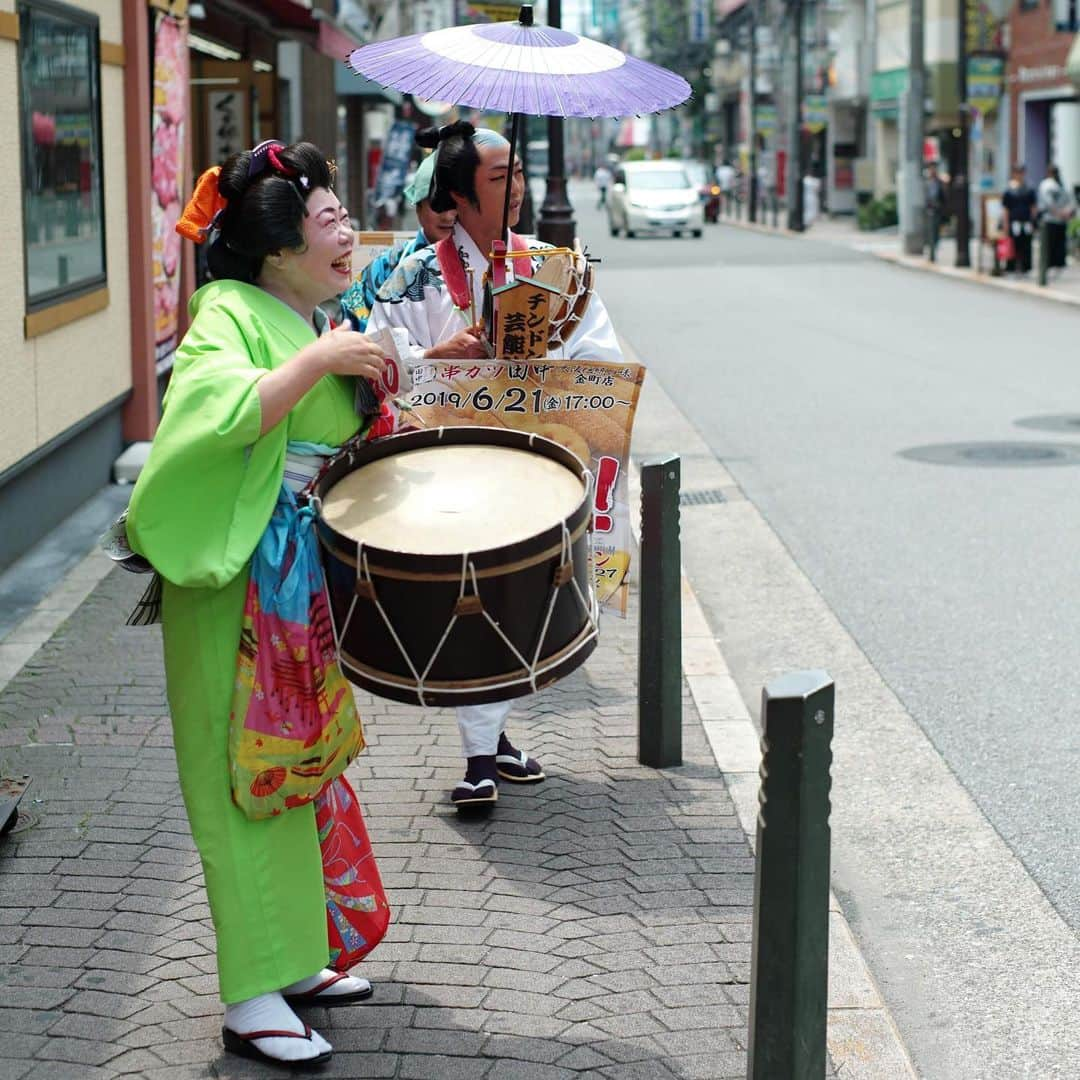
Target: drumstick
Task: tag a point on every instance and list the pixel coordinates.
(472, 295)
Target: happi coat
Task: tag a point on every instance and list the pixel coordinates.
(358, 299)
(416, 298)
(197, 512)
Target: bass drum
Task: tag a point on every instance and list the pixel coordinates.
(458, 563)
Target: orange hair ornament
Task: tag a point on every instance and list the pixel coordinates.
(203, 208)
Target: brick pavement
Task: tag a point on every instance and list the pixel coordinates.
(597, 925)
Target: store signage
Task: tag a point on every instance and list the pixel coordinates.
(816, 113)
(984, 79)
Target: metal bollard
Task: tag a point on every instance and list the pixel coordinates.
(660, 618)
(1044, 252)
(790, 963)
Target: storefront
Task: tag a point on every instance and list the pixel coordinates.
(66, 312)
(887, 90)
(1044, 110)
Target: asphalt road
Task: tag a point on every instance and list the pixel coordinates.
(810, 370)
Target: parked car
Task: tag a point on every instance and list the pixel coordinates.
(702, 178)
(652, 196)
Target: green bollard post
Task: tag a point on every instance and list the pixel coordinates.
(1044, 252)
(660, 617)
(790, 960)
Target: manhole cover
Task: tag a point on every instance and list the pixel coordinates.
(701, 498)
(1069, 423)
(1010, 455)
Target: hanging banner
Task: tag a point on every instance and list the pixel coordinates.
(816, 113)
(168, 118)
(394, 163)
(765, 120)
(985, 77)
(586, 406)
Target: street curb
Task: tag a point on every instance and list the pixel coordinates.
(54, 609)
(863, 1039)
(912, 262)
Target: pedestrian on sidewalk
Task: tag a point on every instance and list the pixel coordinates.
(602, 179)
(725, 181)
(1056, 207)
(936, 200)
(259, 369)
(1018, 205)
(471, 175)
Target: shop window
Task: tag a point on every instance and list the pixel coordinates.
(1065, 15)
(63, 197)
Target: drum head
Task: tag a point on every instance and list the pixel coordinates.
(445, 500)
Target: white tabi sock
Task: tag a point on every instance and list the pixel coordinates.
(270, 1012)
(349, 985)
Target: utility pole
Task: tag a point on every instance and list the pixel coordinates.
(960, 172)
(915, 204)
(795, 162)
(556, 222)
(753, 111)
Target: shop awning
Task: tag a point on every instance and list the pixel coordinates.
(303, 23)
(346, 84)
(724, 8)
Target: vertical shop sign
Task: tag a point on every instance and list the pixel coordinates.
(225, 123)
(168, 117)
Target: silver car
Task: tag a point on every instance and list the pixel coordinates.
(654, 196)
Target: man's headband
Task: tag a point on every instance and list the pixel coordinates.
(203, 212)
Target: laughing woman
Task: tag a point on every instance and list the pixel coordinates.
(258, 370)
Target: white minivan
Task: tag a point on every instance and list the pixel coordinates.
(653, 196)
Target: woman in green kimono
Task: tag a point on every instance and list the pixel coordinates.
(259, 368)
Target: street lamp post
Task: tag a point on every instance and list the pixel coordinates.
(960, 173)
(753, 112)
(795, 167)
(556, 223)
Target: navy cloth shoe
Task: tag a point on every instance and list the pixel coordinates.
(515, 765)
(480, 786)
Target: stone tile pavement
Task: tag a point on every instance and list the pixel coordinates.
(597, 925)
(1062, 286)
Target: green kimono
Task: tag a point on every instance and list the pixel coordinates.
(197, 513)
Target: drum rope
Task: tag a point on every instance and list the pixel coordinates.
(449, 626)
(362, 560)
(530, 668)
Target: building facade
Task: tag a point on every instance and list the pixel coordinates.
(109, 108)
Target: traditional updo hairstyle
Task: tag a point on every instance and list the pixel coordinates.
(267, 190)
(456, 164)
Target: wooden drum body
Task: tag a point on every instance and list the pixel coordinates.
(459, 564)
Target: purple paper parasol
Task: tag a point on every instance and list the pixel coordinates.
(515, 68)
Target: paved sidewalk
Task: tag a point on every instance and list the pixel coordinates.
(597, 925)
(1063, 287)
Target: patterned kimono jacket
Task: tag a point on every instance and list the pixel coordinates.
(359, 298)
(415, 297)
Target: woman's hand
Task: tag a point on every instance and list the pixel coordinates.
(343, 351)
(467, 344)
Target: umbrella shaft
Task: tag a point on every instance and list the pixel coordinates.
(515, 119)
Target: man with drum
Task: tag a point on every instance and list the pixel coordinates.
(425, 297)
